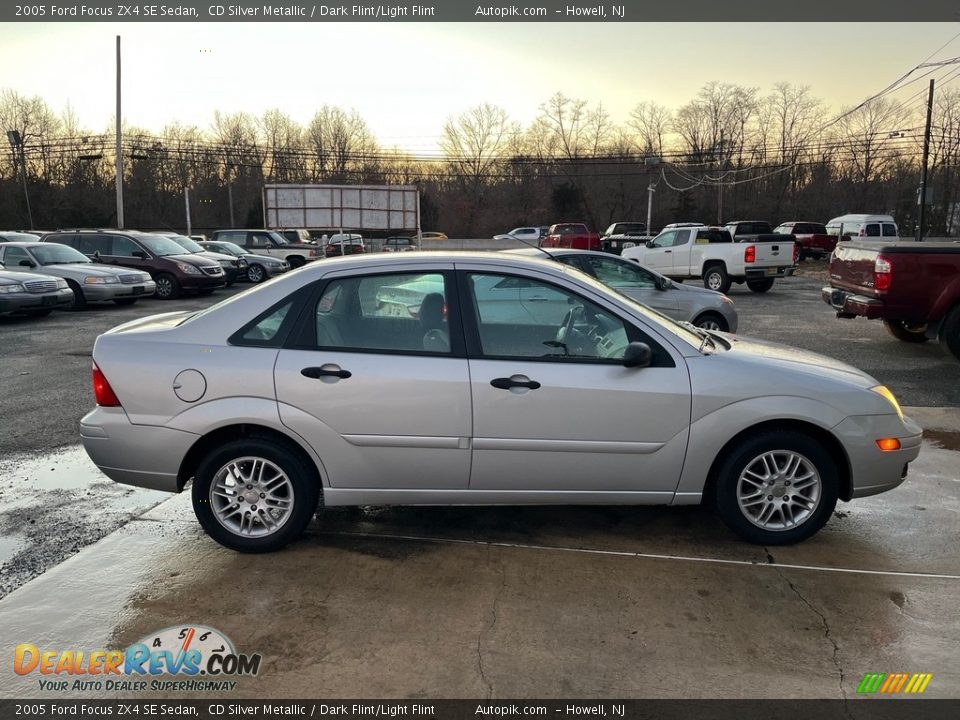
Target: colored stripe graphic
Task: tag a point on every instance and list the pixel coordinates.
(894, 683)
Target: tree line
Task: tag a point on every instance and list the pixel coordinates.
(731, 152)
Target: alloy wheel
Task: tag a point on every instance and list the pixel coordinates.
(251, 497)
(779, 490)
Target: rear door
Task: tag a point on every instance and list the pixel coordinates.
(377, 381)
(556, 412)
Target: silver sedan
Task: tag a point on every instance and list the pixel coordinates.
(89, 281)
(704, 308)
(346, 384)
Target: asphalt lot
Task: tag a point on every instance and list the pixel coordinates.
(492, 602)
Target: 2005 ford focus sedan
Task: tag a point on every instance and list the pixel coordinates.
(511, 381)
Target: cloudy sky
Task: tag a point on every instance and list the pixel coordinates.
(406, 79)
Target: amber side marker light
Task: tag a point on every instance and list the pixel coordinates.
(888, 444)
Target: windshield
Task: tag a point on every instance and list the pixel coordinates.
(54, 253)
(186, 243)
(658, 320)
(161, 246)
(231, 249)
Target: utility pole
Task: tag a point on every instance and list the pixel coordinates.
(720, 182)
(651, 189)
(923, 169)
(119, 150)
(16, 142)
(186, 201)
(230, 167)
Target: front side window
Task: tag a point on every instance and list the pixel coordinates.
(13, 256)
(665, 239)
(124, 247)
(260, 240)
(398, 312)
(682, 237)
(534, 319)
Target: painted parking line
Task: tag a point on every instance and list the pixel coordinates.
(642, 555)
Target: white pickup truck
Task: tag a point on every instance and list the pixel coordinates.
(711, 254)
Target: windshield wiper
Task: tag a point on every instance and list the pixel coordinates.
(705, 336)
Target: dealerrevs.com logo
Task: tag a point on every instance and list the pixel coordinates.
(201, 658)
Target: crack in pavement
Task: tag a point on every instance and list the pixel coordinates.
(826, 633)
(487, 630)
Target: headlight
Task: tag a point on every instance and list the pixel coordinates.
(884, 391)
(145, 277)
(188, 268)
(14, 288)
(94, 280)
(61, 284)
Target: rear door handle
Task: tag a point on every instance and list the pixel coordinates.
(517, 381)
(326, 371)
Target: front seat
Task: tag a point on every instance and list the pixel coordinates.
(433, 322)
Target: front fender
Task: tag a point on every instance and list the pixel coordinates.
(709, 433)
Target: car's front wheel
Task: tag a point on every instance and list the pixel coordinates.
(776, 488)
(256, 273)
(254, 495)
(711, 321)
(168, 287)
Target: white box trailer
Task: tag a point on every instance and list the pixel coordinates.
(348, 207)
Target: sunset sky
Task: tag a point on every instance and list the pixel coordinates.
(406, 79)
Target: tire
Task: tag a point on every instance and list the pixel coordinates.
(299, 490)
(79, 300)
(712, 321)
(168, 287)
(125, 301)
(950, 333)
(296, 262)
(907, 332)
(39, 313)
(760, 286)
(738, 479)
(256, 273)
(208, 291)
(715, 278)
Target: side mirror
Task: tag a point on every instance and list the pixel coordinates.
(664, 283)
(27, 263)
(140, 254)
(649, 243)
(96, 256)
(637, 355)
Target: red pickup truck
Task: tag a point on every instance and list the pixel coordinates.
(812, 238)
(913, 287)
(571, 235)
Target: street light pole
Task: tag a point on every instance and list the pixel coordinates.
(16, 142)
(923, 168)
(230, 167)
(650, 191)
(119, 149)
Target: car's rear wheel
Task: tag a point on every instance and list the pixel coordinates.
(711, 321)
(168, 287)
(254, 495)
(715, 278)
(296, 262)
(906, 331)
(760, 286)
(256, 273)
(39, 313)
(776, 488)
(950, 333)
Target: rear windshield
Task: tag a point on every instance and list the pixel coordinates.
(809, 229)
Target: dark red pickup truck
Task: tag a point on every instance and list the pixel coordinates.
(571, 235)
(812, 237)
(913, 287)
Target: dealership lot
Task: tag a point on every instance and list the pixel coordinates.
(514, 602)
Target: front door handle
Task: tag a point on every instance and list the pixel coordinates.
(326, 371)
(517, 381)
(666, 252)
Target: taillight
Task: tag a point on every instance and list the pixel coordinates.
(750, 254)
(882, 273)
(102, 392)
(796, 252)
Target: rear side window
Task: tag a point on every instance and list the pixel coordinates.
(872, 230)
(90, 244)
(890, 230)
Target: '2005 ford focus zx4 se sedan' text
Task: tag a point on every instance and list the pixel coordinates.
(460, 378)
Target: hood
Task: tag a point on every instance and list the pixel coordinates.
(192, 259)
(695, 289)
(219, 257)
(795, 359)
(263, 259)
(8, 276)
(87, 269)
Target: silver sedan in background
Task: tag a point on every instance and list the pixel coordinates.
(426, 379)
(89, 281)
(699, 306)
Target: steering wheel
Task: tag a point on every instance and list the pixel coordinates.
(568, 337)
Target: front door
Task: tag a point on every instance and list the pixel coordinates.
(556, 411)
(378, 383)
